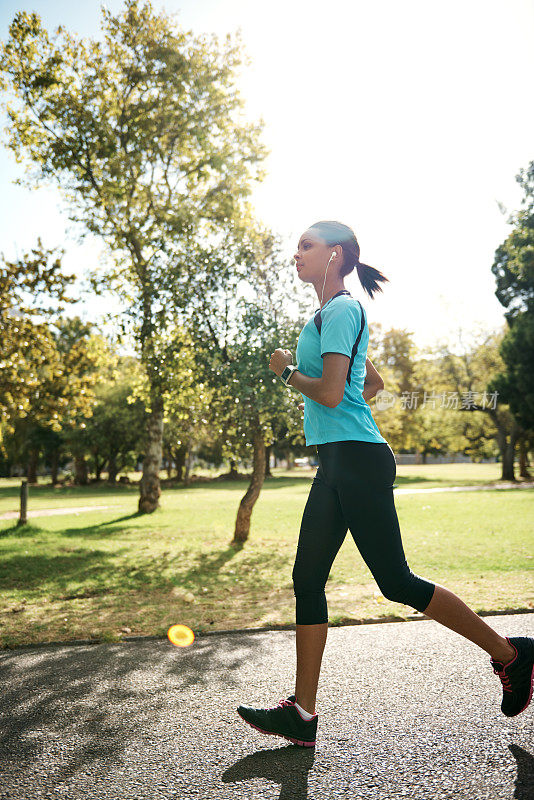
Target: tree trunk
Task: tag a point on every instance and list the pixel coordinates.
(242, 525)
(33, 461)
(150, 489)
(168, 463)
(179, 462)
(54, 465)
(289, 459)
(423, 457)
(507, 447)
(508, 463)
(187, 466)
(112, 469)
(523, 458)
(233, 474)
(81, 477)
(268, 473)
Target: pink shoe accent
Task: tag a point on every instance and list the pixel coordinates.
(505, 680)
(270, 733)
(516, 652)
(283, 703)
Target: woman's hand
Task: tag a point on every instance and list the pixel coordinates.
(280, 359)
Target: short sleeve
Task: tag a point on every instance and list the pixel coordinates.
(340, 326)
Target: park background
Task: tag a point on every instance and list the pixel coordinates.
(166, 171)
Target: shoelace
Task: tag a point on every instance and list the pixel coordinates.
(505, 679)
(282, 704)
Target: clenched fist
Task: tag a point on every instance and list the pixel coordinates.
(280, 359)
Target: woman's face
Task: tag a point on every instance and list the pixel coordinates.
(313, 255)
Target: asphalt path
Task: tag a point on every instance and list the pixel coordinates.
(406, 710)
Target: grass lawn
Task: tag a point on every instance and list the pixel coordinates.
(89, 575)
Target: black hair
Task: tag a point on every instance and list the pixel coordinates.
(336, 233)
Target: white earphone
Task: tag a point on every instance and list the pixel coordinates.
(334, 254)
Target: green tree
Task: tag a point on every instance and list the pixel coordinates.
(394, 355)
(433, 425)
(33, 290)
(64, 396)
(513, 268)
(186, 398)
(238, 319)
(485, 415)
(143, 133)
(115, 430)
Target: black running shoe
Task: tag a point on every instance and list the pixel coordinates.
(283, 720)
(517, 677)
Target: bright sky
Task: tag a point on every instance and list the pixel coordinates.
(407, 121)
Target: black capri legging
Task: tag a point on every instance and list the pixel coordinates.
(353, 489)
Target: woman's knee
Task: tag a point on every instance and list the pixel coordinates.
(307, 581)
(409, 589)
(311, 608)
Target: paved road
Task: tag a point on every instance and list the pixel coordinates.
(406, 710)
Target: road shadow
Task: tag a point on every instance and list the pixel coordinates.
(90, 698)
(289, 767)
(524, 784)
(286, 766)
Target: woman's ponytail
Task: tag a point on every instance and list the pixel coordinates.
(336, 233)
(369, 277)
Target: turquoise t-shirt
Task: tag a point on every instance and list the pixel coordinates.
(339, 326)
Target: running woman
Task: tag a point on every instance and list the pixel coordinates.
(353, 489)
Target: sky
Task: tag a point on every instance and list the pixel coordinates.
(407, 121)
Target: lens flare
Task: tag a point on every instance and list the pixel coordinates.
(181, 635)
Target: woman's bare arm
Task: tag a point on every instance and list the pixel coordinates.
(373, 382)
